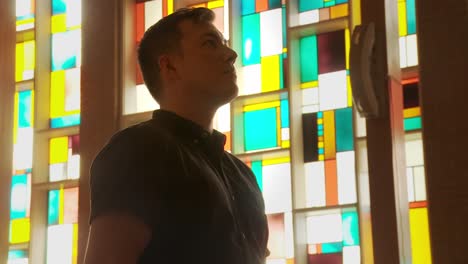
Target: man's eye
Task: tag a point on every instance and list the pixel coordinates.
(211, 43)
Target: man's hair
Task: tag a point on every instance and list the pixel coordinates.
(163, 38)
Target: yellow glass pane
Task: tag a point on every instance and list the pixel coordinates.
(347, 47)
(61, 206)
(58, 150)
(311, 84)
(29, 55)
(170, 7)
(412, 112)
(286, 144)
(270, 73)
(57, 94)
(350, 91)
(59, 23)
(19, 62)
(402, 18)
(255, 107)
(278, 125)
(320, 121)
(199, 5)
(75, 244)
(339, 11)
(215, 4)
(267, 162)
(20, 231)
(329, 134)
(420, 243)
(321, 157)
(320, 145)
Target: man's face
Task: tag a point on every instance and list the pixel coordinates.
(207, 65)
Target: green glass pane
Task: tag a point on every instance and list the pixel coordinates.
(284, 105)
(411, 16)
(283, 16)
(248, 7)
(257, 170)
(332, 247)
(341, 1)
(309, 60)
(54, 201)
(260, 129)
(306, 5)
(350, 229)
(413, 123)
(344, 129)
(251, 39)
(329, 3)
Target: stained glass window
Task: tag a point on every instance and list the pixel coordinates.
(25, 10)
(407, 31)
(412, 110)
(19, 256)
(264, 52)
(62, 231)
(273, 176)
(66, 61)
(64, 158)
(313, 11)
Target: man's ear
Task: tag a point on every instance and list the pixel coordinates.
(167, 66)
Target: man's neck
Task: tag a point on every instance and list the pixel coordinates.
(199, 115)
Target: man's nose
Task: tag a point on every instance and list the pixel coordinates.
(231, 55)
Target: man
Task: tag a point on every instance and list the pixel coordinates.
(165, 191)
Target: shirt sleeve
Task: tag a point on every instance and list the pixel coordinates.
(122, 180)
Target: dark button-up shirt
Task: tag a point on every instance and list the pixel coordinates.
(202, 203)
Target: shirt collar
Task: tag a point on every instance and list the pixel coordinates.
(188, 130)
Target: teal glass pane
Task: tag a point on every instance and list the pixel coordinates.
(251, 39)
(248, 7)
(329, 3)
(66, 121)
(59, 7)
(306, 5)
(344, 129)
(17, 254)
(257, 170)
(54, 201)
(283, 16)
(65, 50)
(19, 194)
(341, 1)
(309, 60)
(413, 123)
(260, 129)
(272, 4)
(281, 72)
(350, 229)
(411, 16)
(332, 247)
(284, 107)
(25, 110)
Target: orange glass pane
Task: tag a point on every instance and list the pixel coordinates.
(339, 11)
(331, 182)
(261, 5)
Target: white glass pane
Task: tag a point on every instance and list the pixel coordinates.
(73, 13)
(310, 109)
(73, 169)
(352, 255)
(360, 125)
(18, 261)
(285, 133)
(271, 36)
(60, 244)
(226, 19)
(403, 60)
(310, 96)
(276, 239)
(410, 182)
(222, 119)
(412, 50)
(419, 184)
(251, 80)
(23, 149)
(72, 89)
(309, 17)
(333, 90)
(315, 184)
(276, 261)
(324, 228)
(289, 231)
(153, 12)
(145, 101)
(57, 172)
(414, 153)
(346, 177)
(23, 7)
(277, 188)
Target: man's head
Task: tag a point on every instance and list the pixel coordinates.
(185, 55)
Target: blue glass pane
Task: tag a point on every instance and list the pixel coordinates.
(25, 110)
(344, 129)
(350, 229)
(284, 113)
(66, 121)
(54, 201)
(411, 16)
(341, 1)
(257, 170)
(59, 7)
(309, 59)
(248, 7)
(413, 123)
(19, 196)
(329, 3)
(17, 254)
(251, 39)
(332, 247)
(260, 129)
(306, 5)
